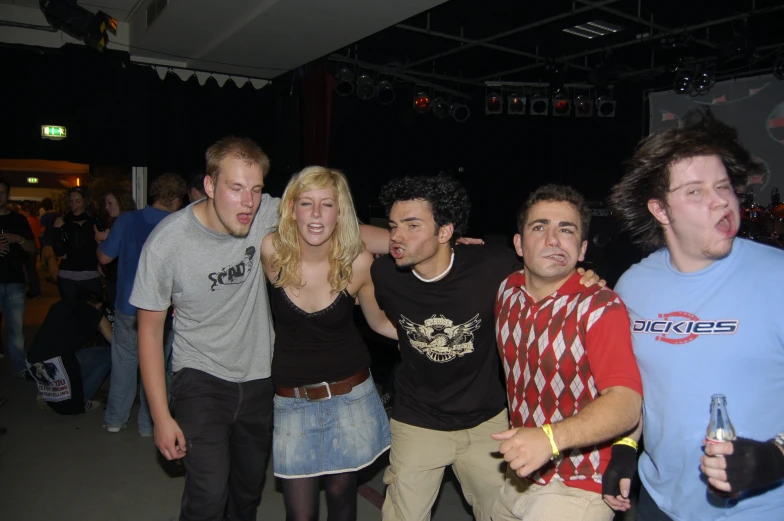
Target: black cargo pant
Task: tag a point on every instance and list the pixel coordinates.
(647, 510)
(228, 436)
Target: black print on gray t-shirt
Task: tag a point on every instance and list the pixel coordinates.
(235, 273)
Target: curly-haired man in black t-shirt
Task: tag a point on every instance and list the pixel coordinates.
(449, 397)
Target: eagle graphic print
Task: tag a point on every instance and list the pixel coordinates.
(439, 339)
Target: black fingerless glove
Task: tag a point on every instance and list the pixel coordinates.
(623, 464)
(753, 464)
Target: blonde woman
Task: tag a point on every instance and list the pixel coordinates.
(329, 421)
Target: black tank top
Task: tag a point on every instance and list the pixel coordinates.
(324, 346)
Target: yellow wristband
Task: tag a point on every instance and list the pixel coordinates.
(628, 442)
(21, 241)
(548, 430)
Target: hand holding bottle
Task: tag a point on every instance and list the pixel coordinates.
(733, 465)
(720, 432)
(743, 464)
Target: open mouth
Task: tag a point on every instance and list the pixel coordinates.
(244, 218)
(315, 228)
(726, 224)
(397, 252)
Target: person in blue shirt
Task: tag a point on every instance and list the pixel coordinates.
(704, 322)
(125, 241)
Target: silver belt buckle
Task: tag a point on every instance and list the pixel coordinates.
(325, 384)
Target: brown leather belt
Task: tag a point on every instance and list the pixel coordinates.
(324, 390)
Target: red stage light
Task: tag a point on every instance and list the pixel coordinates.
(494, 105)
(422, 102)
(516, 105)
(562, 106)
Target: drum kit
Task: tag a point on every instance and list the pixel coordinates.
(760, 223)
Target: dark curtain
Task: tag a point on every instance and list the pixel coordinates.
(118, 113)
(316, 113)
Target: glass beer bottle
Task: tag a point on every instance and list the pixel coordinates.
(720, 429)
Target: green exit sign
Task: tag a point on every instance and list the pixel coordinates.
(32, 180)
(53, 132)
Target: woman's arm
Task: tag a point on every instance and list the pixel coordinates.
(376, 239)
(267, 251)
(375, 317)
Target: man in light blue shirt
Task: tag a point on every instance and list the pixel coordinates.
(704, 322)
(125, 240)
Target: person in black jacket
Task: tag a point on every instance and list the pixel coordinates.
(74, 243)
(16, 241)
(63, 360)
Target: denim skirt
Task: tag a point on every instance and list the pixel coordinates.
(342, 434)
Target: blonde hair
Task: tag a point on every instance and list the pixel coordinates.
(346, 241)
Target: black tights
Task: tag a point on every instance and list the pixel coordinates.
(302, 497)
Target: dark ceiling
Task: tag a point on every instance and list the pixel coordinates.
(525, 42)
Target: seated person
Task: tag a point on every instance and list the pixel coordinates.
(67, 366)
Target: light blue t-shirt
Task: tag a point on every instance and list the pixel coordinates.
(716, 331)
(125, 240)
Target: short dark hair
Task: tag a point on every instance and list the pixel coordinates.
(47, 205)
(197, 181)
(166, 187)
(557, 193)
(448, 199)
(647, 174)
(7, 186)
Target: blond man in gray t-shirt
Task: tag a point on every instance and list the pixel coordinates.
(204, 260)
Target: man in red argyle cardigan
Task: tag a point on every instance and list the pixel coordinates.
(571, 378)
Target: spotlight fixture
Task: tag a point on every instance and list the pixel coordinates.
(385, 92)
(683, 82)
(460, 112)
(345, 81)
(366, 87)
(422, 102)
(605, 107)
(441, 109)
(515, 104)
(539, 105)
(583, 106)
(562, 106)
(703, 81)
(494, 104)
(78, 22)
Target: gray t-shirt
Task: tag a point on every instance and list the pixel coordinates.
(223, 324)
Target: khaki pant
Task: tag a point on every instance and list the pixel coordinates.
(419, 456)
(523, 499)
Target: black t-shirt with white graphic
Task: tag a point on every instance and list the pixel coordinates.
(449, 378)
(68, 327)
